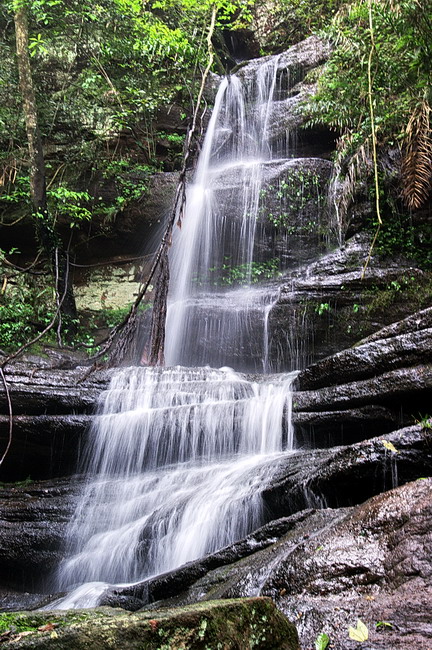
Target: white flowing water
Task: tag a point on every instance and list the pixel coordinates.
(178, 458)
(178, 461)
(221, 241)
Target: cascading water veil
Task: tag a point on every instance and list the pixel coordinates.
(178, 458)
(221, 234)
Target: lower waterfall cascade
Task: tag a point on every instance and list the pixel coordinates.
(156, 501)
(178, 458)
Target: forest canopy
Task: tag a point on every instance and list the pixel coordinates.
(102, 72)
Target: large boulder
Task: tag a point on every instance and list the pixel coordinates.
(373, 564)
(229, 624)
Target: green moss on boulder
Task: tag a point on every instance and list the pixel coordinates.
(240, 624)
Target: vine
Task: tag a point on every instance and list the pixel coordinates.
(374, 140)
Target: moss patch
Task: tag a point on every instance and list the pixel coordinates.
(239, 624)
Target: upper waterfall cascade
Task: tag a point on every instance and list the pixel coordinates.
(250, 213)
(178, 458)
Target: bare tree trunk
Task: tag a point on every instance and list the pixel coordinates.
(36, 157)
(43, 225)
(157, 333)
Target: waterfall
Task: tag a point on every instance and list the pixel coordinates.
(217, 315)
(177, 463)
(178, 458)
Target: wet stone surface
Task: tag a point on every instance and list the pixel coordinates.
(370, 562)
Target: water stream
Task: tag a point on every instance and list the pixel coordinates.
(218, 311)
(178, 460)
(178, 457)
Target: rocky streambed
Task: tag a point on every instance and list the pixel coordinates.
(348, 533)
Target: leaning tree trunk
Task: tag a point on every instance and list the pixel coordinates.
(157, 331)
(43, 224)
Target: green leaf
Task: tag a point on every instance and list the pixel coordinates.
(383, 624)
(322, 641)
(359, 633)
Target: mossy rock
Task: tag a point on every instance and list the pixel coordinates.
(240, 624)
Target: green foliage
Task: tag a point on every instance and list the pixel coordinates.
(322, 308)
(294, 20)
(26, 305)
(414, 290)
(16, 192)
(251, 273)
(112, 317)
(21, 321)
(400, 235)
(322, 641)
(399, 50)
(37, 45)
(383, 625)
(131, 180)
(402, 67)
(298, 190)
(15, 622)
(104, 68)
(173, 138)
(425, 421)
(69, 204)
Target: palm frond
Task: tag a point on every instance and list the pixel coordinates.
(417, 159)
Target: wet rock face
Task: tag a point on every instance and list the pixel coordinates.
(374, 565)
(37, 389)
(384, 351)
(52, 412)
(347, 475)
(33, 520)
(233, 625)
(326, 306)
(332, 567)
(385, 381)
(42, 445)
(34, 516)
(301, 57)
(337, 478)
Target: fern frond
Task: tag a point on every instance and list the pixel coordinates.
(417, 159)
